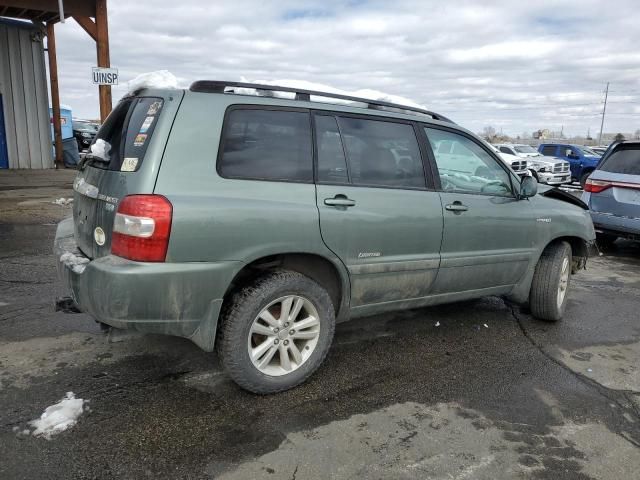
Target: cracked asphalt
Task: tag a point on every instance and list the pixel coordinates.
(398, 396)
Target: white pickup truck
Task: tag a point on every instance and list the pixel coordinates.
(549, 170)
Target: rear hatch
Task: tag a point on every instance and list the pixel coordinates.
(135, 134)
(615, 185)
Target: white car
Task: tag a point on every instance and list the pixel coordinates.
(549, 170)
(517, 164)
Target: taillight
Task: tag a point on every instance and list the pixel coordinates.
(142, 227)
(596, 186)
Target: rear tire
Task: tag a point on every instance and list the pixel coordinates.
(551, 280)
(253, 322)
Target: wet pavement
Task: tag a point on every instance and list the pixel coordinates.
(490, 393)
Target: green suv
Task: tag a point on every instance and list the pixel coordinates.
(252, 218)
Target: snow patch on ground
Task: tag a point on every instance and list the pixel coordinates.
(62, 201)
(59, 417)
(157, 79)
(75, 262)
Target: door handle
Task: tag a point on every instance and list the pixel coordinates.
(339, 201)
(456, 207)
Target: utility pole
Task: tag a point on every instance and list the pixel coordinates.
(604, 109)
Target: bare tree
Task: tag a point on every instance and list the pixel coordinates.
(489, 132)
(618, 138)
(636, 134)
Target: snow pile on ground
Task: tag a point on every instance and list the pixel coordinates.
(157, 79)
(101, 149)
(62, 201)
(59, 417)
(305, 85)
(77, 264)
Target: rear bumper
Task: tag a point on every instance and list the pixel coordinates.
(620, 226)
(180, 299)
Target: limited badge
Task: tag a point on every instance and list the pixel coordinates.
(154, 108)
(146, 124)
(99, 236)
(129, 164)
(140, 139)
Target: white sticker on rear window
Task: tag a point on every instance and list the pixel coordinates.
(154, 108)
(146, 124)
(129, 164)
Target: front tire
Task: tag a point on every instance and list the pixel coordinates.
(276, 332)
(551, 279)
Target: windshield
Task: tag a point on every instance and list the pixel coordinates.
(525, 149)
(85, 126)
(588, 151)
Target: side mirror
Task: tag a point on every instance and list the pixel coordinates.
(528, 187)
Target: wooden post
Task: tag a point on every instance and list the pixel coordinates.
(102, 46)
(55, 94)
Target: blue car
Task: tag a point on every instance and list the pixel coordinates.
(582, 159)
(613, 193)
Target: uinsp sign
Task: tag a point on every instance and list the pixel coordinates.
(105, 76)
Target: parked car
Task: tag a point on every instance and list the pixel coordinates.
(599, 150)
(84, 132)
(583, 160)
(288, 215)
(613, 193)
(546, 170)
(518, 165)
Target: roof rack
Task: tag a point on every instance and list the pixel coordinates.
(219, 86)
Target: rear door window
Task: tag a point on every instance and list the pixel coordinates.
(549, 150)
(382, 153)
(332, 163)
(267, 145)
(624, 159)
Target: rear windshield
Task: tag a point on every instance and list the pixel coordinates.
(624, 159)
(128, 131)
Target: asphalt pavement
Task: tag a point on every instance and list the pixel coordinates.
(473, 390)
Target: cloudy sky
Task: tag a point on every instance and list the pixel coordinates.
(518, 66)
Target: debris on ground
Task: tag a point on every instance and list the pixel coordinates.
(59, 417)
(62, 201)
(437, 324)
(485, 325)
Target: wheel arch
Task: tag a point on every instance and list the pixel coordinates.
(579, 252)
(331, 276)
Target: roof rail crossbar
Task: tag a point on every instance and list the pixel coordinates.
(219, 86)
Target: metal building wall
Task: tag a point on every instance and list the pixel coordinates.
(23, 85)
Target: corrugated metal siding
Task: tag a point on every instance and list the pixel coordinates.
(24, 88)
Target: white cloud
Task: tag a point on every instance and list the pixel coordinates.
(520, 66)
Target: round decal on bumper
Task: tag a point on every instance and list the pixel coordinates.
(99, 236)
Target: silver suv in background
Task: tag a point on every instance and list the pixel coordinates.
(612, 192)
(549, 170)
